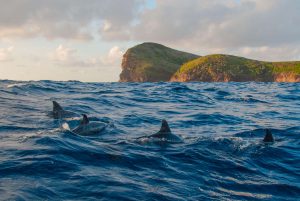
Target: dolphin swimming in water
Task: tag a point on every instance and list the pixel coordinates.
(165, 133)
(59, 113)
(268, 137)
(88, 128)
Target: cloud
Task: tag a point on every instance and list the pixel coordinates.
(189, 23)
(64, 54)
(270, 53)
(229, 25)
(69, 57)
(243, 27)
(113, 57)
(63, 18)
(6, 54)
(218, 24)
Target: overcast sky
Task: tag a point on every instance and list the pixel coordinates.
(85, 39)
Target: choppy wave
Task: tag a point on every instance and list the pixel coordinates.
(222, 156)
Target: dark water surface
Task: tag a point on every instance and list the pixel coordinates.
(222, 156)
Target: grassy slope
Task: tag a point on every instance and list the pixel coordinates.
(218, 67)
(155, 62)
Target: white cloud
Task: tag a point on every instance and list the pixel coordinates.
(113, 57)
(106, 26)
(63, 18)
(219, 24)
(64, 54)
(6, 54)
(199, 26)
(204, 26)
(270, 53)
(69, 57)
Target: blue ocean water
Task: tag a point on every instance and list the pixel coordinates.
(222, 156)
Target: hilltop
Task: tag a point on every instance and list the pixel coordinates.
(152, 62)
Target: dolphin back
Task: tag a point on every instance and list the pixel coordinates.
(59, 113)
(56, 107)
(84, 120)
(164, 127)
(89, 128)
(268, 137)
(165, 133)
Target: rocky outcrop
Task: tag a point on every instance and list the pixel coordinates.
(151, 62)
(287, 77)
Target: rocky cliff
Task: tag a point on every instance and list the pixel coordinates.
(151, 62)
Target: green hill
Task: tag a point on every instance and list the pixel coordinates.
(151, 62)
(223, 68)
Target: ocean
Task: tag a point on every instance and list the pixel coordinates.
(222, 156)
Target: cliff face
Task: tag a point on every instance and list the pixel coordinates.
(225, 68)
(151, 62)
(287, 77)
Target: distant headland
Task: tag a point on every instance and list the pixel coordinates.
(152, 62)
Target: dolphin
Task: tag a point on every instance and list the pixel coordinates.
(165, 133)
(59, 113)
(268, 136)
(88, 128)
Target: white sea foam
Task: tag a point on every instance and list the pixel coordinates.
(16, 85)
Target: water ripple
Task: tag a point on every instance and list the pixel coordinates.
(222, 156)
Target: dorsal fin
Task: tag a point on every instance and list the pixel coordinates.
(164, 127)
(268, 136)
(56, 106)
(84, 120)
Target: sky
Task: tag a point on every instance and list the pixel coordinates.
(85, 39)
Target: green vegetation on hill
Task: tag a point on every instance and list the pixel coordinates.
(286, 67)
(150, 62)
(220, 68)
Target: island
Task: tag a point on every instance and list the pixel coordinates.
(152, 62)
